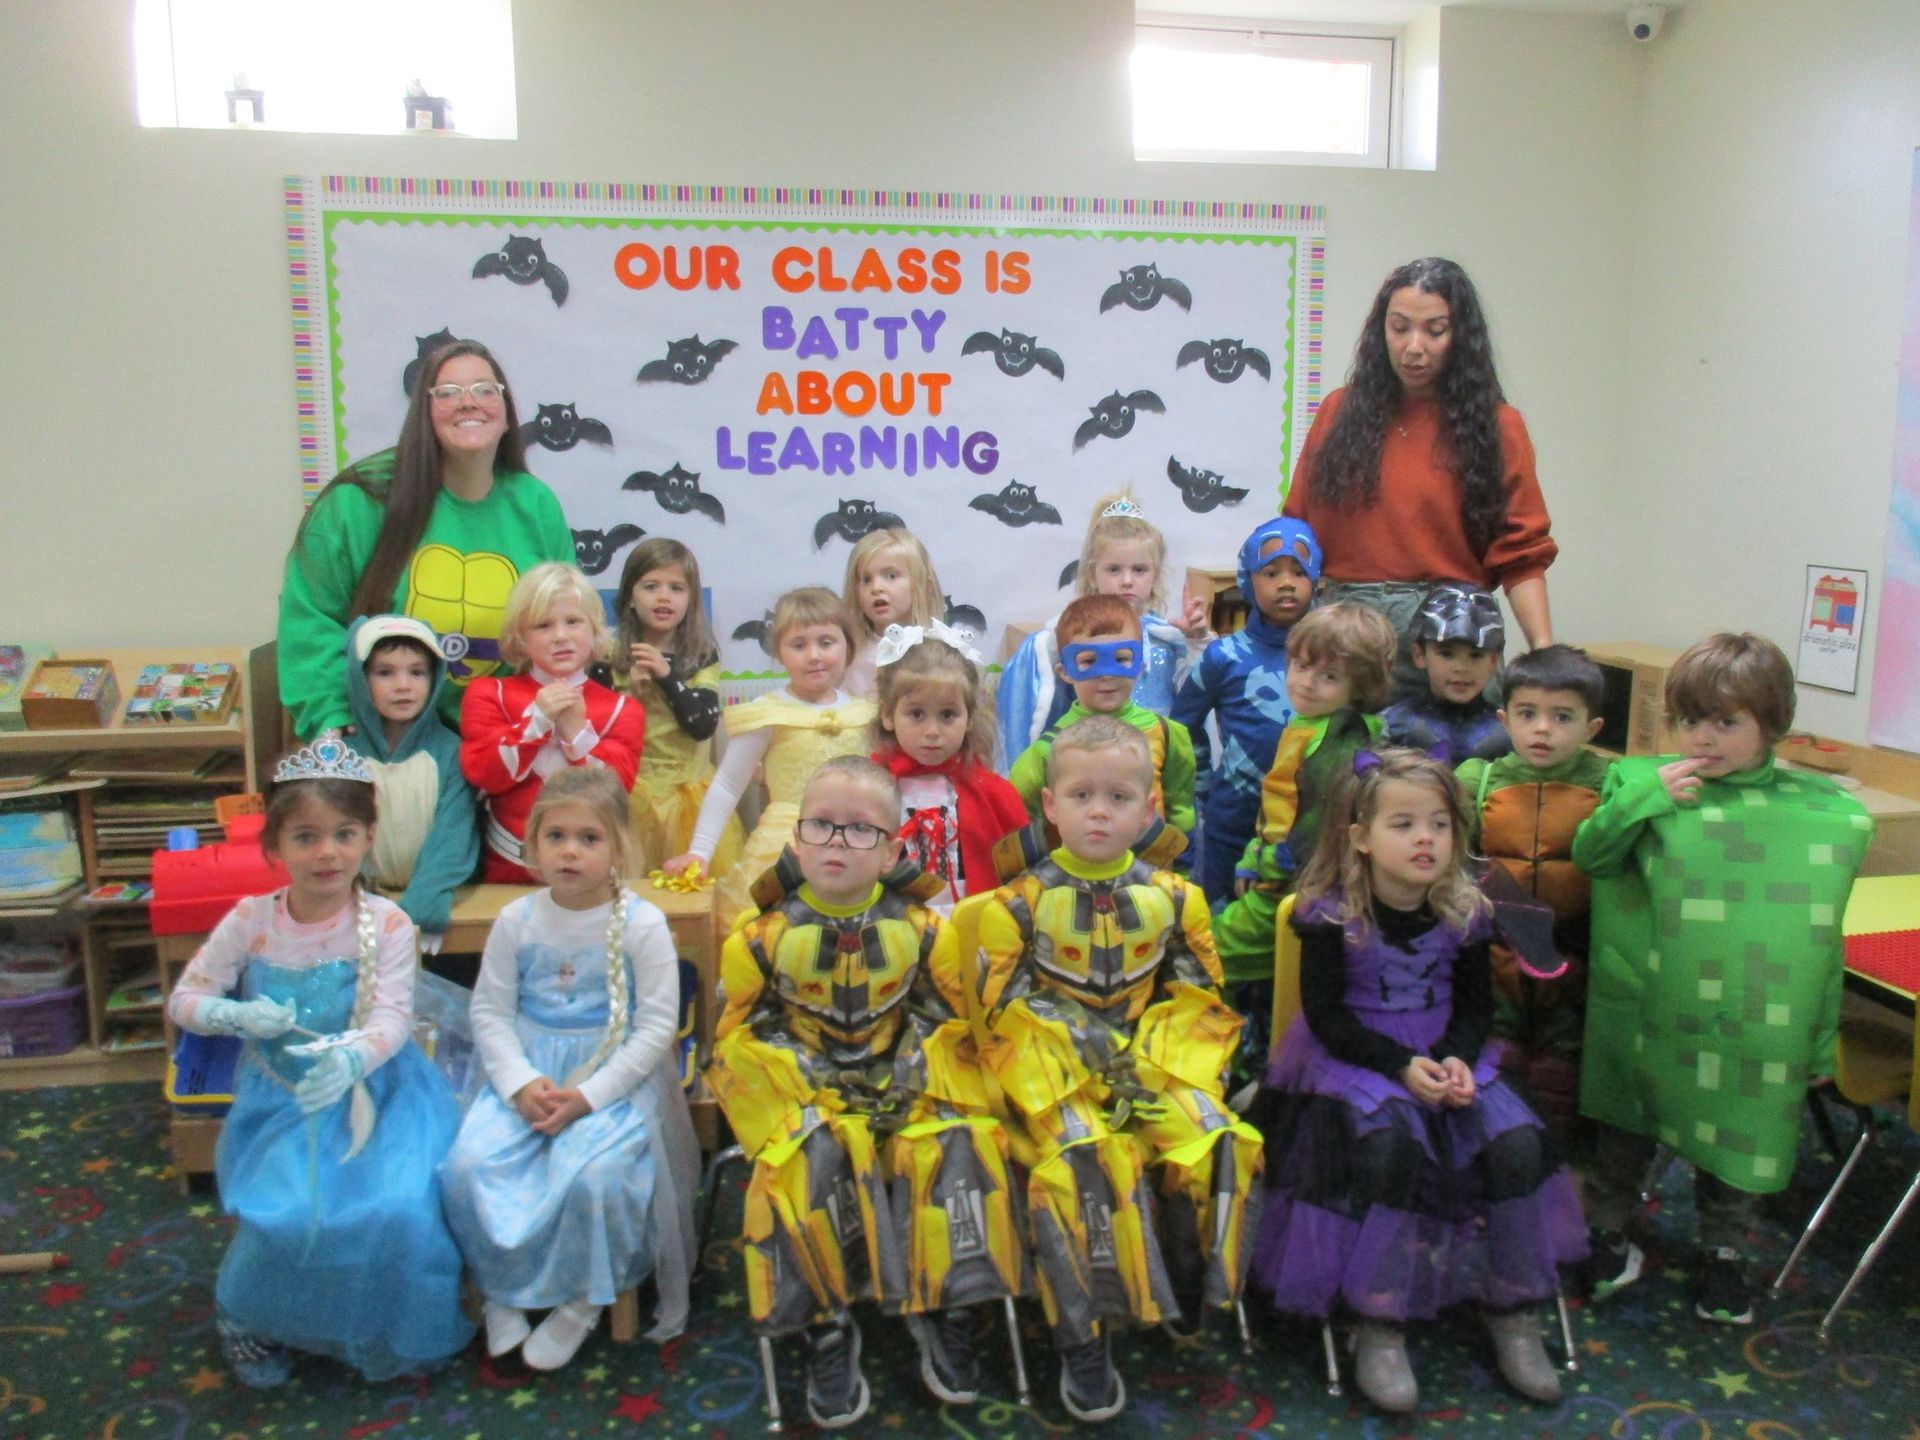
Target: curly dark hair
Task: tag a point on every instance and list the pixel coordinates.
(1346, 472)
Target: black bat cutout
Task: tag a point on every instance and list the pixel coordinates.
(1141, 287)
(593, 550)
(678, 491)
(523, 260)
(1068, 575)
(754, 630)
(1225, 360)
(967, 619)
(1114, 416)
(1016, 505)
(1202, 490)
(561, 427)
(424, 345)
(853, 519)
(688, 361)
(1014, 353)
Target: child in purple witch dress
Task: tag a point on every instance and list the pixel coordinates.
(1403, 1174)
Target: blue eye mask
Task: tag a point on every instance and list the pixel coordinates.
(1091, 660)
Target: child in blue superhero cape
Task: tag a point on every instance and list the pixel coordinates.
(1242, 681)
(1124, 554)
(327, 1157)
(429, 837)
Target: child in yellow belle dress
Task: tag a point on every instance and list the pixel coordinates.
(791, 732)
(672, 665)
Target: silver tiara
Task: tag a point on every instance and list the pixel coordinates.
(327, 758)
(1126, 505)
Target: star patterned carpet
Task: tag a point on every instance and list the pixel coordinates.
(120, 1345)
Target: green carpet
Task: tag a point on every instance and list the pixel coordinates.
(121, 1345)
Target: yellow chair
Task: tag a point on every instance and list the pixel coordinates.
(1878, 1061)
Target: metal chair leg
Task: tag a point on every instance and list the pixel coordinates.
(1826, 1202)
(1872, 1253)
(1333, 1358)
(709, 1188)
(1566, 1330)
(1240, 1319)
(1022, 1391)
(773, 1391)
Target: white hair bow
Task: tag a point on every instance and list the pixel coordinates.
(899, 639)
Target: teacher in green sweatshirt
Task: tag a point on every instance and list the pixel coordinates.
(439, 527)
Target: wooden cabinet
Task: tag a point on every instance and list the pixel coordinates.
(114, 841)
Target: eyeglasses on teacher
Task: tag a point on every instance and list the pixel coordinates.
(486, 392)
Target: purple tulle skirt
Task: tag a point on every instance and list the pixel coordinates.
(1382, 1206)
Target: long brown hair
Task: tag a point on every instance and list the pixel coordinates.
(1346, 471)
(409, 495)
(1338, 864)
(693, 643)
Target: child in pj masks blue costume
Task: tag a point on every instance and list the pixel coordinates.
(1242, 681)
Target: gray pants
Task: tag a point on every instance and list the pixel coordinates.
(1620, 1160)
(1397, 600)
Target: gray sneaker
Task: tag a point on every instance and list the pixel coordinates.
(1381, 1368)
(1521, 1358)
(1090, 1387)
(947, 1361)
(837, 1393)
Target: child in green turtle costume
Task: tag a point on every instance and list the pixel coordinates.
(1713, 998)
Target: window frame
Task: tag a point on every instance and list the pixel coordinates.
(1383, 49)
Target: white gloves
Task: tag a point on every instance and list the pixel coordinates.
(260, 1019)
(332, 1075)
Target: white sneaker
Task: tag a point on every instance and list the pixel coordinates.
(507, 1328)
(560, 1335)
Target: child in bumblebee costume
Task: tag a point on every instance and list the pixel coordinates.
(851, 1083)
(1109, 1042)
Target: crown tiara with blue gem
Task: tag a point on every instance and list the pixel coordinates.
(1127, 506)
(327, 758)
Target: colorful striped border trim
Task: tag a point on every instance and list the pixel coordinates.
(816, 201)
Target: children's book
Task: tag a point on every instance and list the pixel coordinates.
(16, 664)
(183, 694)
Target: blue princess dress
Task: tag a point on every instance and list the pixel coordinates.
(348, 1258)
(584, 1214)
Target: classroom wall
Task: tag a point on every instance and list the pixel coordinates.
(145, 369)
(1775, 152)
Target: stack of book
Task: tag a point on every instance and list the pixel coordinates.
(129, 825)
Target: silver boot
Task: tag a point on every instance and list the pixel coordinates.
(1381, 1368)
(1520, 1356)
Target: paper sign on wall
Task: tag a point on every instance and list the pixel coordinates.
(764, 375)
(1832, 622)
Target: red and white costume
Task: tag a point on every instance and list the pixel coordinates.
(508, 748)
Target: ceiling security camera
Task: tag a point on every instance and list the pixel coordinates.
(1644, 22)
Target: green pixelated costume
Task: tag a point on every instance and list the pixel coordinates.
(1714, 989)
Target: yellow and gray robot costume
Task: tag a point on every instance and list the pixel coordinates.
(1110, 1041)
(852, 1083)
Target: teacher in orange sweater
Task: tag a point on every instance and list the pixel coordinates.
(1417, 470)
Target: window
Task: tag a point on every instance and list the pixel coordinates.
(1207, 92)
(344, 66)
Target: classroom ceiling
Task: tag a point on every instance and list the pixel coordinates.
(1365, 12)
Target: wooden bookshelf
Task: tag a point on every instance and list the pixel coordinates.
(114, 937)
